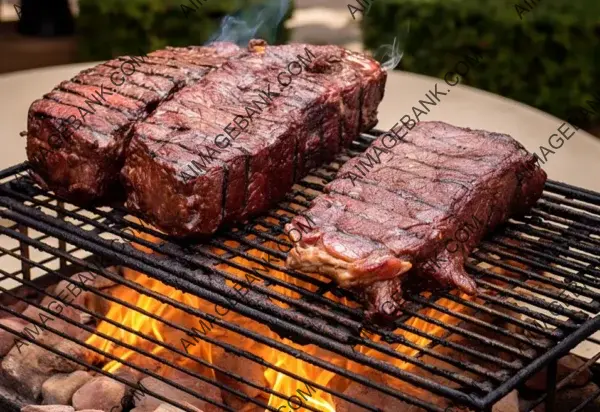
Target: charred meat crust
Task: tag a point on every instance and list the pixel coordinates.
(77, 134)
(418, 212)
(205, 183)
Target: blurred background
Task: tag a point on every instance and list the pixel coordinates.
(545, 55)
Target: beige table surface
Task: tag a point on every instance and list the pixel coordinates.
(576, 162)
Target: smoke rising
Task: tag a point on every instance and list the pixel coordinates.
(261, 21)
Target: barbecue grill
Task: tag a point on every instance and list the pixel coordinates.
(538, 276)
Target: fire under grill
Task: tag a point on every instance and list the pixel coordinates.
(252, 335)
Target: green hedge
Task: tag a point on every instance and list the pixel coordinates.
(110, 28)
(547, 58)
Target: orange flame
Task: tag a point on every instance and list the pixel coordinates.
(296, 391)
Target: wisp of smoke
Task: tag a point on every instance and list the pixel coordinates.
(390, 55)
(245, 24)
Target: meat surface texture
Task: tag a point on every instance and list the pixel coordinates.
(77, 133)
(234, 143)
(415, 209)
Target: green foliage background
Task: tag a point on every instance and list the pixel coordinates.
(548, 59)
(110, 28)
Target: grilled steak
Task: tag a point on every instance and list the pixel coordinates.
(235, 142)
(77, 133)
(419, 205)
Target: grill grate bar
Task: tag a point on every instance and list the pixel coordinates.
(222, 295)
(163, 299)
(160, 249)
(251, 286)
(568, 213)
(13, 170)
(554, 226)
(325, 329)
(264, 249)
(47, 260)
(556, 333)
(592, 307)
(398, 324)
(566, 380)
(559, 239)
(532, 300)
(573, 192)
(43, 236)
(298, 275)
(499, 376)
(473, 335)
(144, 336)
(553, 262)
(548, 263)
(457, 347)
(570, 203)
(107, 354)
(137, 240)
(322, 286)
(544, 359)
(537, 316)
(482, 324)
(275, 281)
(218, 298)
(568, 226)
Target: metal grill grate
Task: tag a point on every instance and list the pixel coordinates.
(539, 279)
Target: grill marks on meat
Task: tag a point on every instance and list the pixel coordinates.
(87, 163)
(294, 129)
(115, 101)
(398, 219)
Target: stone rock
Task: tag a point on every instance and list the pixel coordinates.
(100, 282)
(100, 393)
(27, 366)
(150, 403)
(510, 403)
(133, 376)
(566, 365)
(89, 299)
(47, 316)
(17, 304)
(7, 339)
(251, 371)
(51, 306)
(570, 363)
(567, 399)
(47, 408)
(90, 410)
(59, 389)
(91, 279)
(72, 293)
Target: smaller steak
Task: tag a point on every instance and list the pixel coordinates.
(77, 133)
(420, 204)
